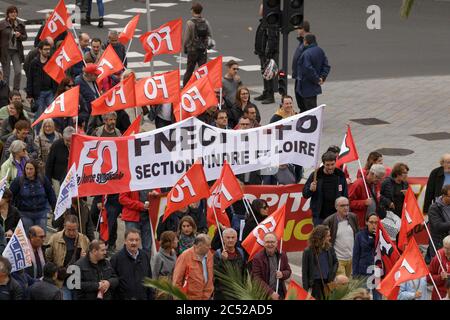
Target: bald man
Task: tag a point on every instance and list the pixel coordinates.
(266, 268)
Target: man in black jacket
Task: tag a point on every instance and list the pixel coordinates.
(40, 86)
(58, 159)
(437, 179)
(47, 289)
(132, 265)
(9, 288)
(98, 279)
(267, 47)
(325, 187)
(439, 217)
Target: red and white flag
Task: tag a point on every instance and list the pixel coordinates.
(212, 69)
(108, 64)
(128, 32)
(166, 39)
(274, 223)
(195, 99)
(192, 187)
(65, 105)
(410, 266)
(57, 23)
(411, 217)
(159, 89)
(348, 150)
(119, 97)
(64, 57)
(224, 192)
(134, 128)
(296, 292)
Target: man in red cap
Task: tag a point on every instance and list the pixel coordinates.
(88, 88)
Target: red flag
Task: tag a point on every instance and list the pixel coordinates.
(410, 266)
(165, 39)
(134, 128)
(224, 192)
(273, 223)
(195, 99)
(296, 292)
(57, 23)
(161, 88)
(348, 150)
(108, 64)
(192, 187)
(212, 69)
(411, 217)
(65, 105)
(386, 249)
(104, 231)
(119, 97)
(128, 32)
(64, 57)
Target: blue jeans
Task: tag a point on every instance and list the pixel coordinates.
(67, 294)
(30, 219)
(100, 7)
(44, 100)
(146, 235)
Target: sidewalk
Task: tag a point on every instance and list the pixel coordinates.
(415, 105)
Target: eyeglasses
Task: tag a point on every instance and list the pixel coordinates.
(245, 124)
(236, 69)
(265, 207)
(343, 205)
(70, 85)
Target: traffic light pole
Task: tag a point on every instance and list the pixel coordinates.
(285, 54)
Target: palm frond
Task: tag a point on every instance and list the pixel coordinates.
(166, 286)
(343, 292)
(406, 8)
(238, 286)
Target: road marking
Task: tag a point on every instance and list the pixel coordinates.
(156, 63)
(33, 26)
(253, 67)
(139, 10)
(228, 58)
(134, 54)
(163, 5)
(120, 29)
(117, 16)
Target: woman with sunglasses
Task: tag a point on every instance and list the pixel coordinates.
(261, 210)
(43, 141)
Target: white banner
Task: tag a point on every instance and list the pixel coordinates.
(158, 158)
(68, 190)
(18, 249)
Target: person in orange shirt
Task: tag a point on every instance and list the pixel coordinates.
(194, 270)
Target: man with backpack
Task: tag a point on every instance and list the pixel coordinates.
(197, 40)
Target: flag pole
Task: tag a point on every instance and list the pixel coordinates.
(128, 49)
(218, 227)
(149, 27)
(364, 179)
(434, 247)
(153, 249)
(79, 215)
(247, 204)
(220, 99)
(435, 286)
(76, 124)
(279, 264)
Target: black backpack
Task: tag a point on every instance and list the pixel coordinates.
(200, 34)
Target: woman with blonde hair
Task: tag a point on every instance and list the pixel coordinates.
(43, 141)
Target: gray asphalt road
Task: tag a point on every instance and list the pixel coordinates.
(418, 46)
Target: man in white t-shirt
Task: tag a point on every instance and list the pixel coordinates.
(343, 228)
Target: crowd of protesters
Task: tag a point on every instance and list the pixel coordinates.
(34, 163)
